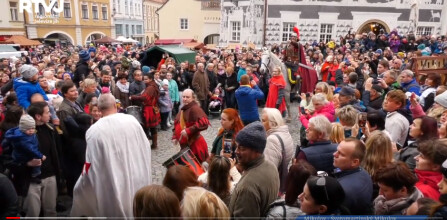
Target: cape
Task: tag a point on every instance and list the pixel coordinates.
(309, 78)
(276, 83)
(117, 165)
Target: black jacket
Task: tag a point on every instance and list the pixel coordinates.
(81, 72)
(9, 199)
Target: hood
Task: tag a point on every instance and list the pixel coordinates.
(14, 134)
(20, 82)
(329, 108)
(280, 129)
(244, 90)
(430, 178)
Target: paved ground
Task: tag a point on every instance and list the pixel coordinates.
(166, 150)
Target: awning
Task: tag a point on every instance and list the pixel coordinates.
(180, 54)
(22, 41)
(106, 40)
(194, 45)
(173, 41)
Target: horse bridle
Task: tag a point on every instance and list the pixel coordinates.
(266, 65)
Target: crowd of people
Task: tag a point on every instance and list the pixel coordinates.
(372, 139)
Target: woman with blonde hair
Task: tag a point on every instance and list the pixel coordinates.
(337, 133)
(198, 203)
(379, 153)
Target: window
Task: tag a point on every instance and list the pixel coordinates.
(67, 10)
(127, 30)
(424, 31)
(326, 32)
(14, 11)
(139, 29)
(235, 30)
(183, 24)
(41, 10)
(52, 9)
(104, 12)
(95, 12)
(126, 7)
(287, 31)
(84, 11)
(131, 8)
(119, 29)
(133, 30)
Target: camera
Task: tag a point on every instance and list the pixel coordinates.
(375, 81)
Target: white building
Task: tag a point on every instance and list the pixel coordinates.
(11, 21)
(128, 19)
(322, 20)
(151, 30)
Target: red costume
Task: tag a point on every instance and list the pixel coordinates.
(151, 112)
(276, 83)
(193, 120)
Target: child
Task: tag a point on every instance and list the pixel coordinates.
(23, 139)
(215, 100)
(165, 105)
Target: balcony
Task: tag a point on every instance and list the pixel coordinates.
(211, 5)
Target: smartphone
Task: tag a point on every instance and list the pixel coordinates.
(303, 111)
(362, 119)
(227, 145)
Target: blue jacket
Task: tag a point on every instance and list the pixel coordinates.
(173, 91)
(358, 188)
(25, 90)
(246, 98)
(411, 86)
(24, 147)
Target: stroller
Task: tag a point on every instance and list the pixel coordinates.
(216, 102)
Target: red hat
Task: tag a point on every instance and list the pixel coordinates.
(297, 31)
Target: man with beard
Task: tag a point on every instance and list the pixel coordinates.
(188, 124)
(106, 81)
(201, 86)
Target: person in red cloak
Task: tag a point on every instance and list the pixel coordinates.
(151, 112)
(277, 84)
(187, 126)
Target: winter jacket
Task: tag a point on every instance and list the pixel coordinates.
(173, 91)
(394, 45)
(81, 72)
(240, 73)
(395, 206)
(201, 85)
(9, 199)
(411, 86)
(164, 101)
(136, 87)
(427, 97)
(213, 80)
(256, 190)
(358, 188)
(25, 90)
(319, 155)
(327, 111)
(428, 183)
(273, 150)
(397, 125)
(246, 98)
(407, 155)
(25, 147)
(279, 210)
(375, 104)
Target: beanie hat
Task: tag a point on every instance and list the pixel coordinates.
(84, 55)
(421, 46)
(253, 136)
(28, 71)
(145, 69)
(26, 122)
(347, 91)
(379, 51)
(135, 64)
(442, 99)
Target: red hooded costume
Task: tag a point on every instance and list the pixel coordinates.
(276, 83)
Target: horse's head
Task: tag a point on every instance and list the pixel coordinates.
(265, 61)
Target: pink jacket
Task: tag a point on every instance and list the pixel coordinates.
(417, 111)
(328, 111)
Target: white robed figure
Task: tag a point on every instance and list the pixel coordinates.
(117, 165)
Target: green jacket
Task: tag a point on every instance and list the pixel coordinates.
(256, 190)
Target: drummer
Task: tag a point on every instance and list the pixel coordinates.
(187, 126)
(151, 112)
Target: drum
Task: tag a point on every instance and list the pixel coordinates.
(136, 112)
(185, 158)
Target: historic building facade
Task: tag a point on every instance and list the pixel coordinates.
(80, 22)
(128, 19)
(243, 21)
(190, 19)
(11, 21)
(151, 31)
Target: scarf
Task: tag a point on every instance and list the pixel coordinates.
(123, 88)
(399, 205)
(278, 81)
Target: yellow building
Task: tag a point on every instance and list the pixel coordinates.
(151, 30)
(11, 21)
(78, 23)
(190, 19)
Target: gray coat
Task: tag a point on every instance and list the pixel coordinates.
(256, 190)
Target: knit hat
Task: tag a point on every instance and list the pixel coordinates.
(347, 91)
(253, 136)
(135, 64)
(165, 82)
(421, 46)
(145, 69)
(84, 55)
(26, 122)
(379, 51)
(28, 71)
(442, 99)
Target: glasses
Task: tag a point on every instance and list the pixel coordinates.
(322, 183)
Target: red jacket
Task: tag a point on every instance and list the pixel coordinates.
(428, 183)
